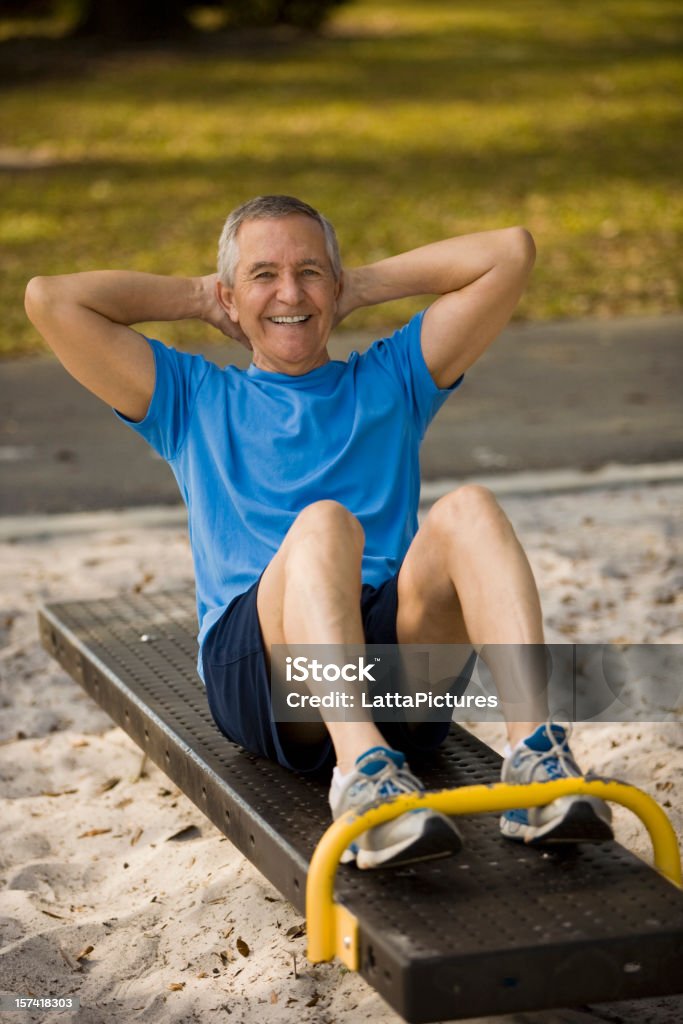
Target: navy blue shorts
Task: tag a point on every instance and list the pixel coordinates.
(238, 684)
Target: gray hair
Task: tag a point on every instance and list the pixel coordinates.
(262, 208)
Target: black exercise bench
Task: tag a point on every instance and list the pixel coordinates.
(498, 929)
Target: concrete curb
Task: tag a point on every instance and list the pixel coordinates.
(530, 484)
(556, 481)
(16, 528)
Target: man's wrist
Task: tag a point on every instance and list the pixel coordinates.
(376, 283)
(200, 301)
(355, 293)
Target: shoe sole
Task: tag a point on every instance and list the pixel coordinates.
(437, 839)
(580, 824)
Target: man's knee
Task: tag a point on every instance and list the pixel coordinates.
(467, 507)
(328, 521)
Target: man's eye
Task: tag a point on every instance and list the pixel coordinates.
(265, 273)
(311, 272)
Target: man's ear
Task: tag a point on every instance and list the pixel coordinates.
(226, 300)
(339, 287)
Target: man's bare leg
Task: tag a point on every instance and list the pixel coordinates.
(310, 594)
(466, 579)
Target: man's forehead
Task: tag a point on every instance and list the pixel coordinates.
(274, 240)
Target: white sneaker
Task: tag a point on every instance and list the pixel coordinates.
(421, 834)
(544, 757)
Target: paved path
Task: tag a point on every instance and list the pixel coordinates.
(546, 396)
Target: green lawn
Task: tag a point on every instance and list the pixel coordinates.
(404, 123)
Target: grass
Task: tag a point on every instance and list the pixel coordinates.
(405, 122)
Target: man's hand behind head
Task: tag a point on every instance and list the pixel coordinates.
(349, 295)
(214, 314)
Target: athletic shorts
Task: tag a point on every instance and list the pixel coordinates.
(238, 684)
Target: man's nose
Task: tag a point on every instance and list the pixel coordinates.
(289, 289)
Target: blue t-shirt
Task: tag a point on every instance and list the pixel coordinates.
(250, 449)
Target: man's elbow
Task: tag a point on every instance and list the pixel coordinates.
(522, 246)
(35, 297)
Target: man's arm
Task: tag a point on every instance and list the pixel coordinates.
(479, 278)
(85, 319)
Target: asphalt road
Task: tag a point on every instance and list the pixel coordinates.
(545, 396)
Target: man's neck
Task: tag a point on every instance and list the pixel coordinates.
(262, 362)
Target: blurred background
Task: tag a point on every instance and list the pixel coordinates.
(128, 130)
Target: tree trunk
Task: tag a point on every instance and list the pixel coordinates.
(133, 20)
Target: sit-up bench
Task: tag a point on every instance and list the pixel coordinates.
(498, 929)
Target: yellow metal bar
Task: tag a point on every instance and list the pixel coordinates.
(327, 937)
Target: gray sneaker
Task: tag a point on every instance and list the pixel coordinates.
(421, 834)
(544, 757)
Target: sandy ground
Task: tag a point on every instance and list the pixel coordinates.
(182, 928)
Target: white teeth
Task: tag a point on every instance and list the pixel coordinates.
(288, 319)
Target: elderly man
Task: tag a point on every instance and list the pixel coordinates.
(301, 478)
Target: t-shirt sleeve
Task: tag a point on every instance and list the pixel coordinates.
(178, 377)
(401, 356)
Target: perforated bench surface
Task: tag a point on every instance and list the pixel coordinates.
(500, 928)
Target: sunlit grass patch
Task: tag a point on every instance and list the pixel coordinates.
(404, 123)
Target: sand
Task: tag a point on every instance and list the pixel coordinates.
(182, 927)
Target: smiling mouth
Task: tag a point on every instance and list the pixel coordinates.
(290, 319)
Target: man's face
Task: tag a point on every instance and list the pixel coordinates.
(284, 295)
